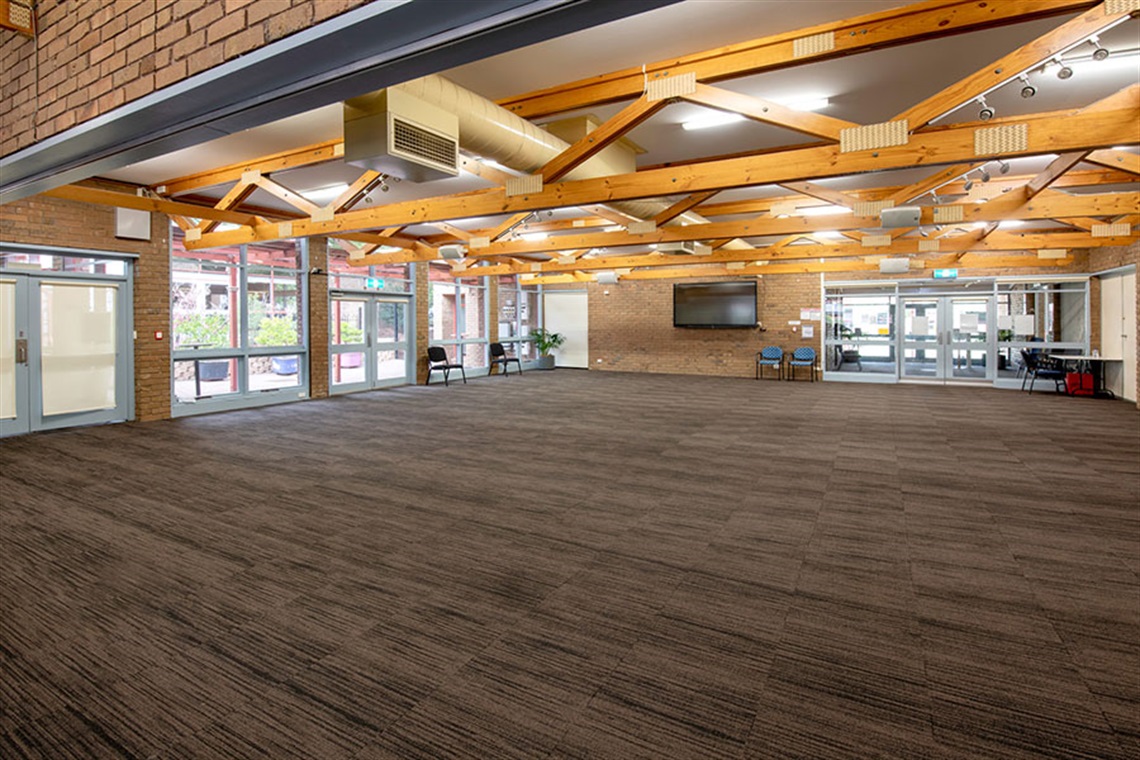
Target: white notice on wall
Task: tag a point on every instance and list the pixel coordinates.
(969, 323)
(1005, 322)
(1023, 324)
(919, 325)
(808, 331)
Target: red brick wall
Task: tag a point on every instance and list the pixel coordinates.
(47, 221)
(318, 318)
(423, 332)
(631, 329)
(91, 56)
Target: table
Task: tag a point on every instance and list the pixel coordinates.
(197, 367)
(1095, 365)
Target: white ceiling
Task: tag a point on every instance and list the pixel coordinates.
(866, 88)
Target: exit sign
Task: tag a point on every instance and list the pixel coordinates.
(375, 282)
(945, 274)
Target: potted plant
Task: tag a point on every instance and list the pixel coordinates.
(279, 331)
(546, 341)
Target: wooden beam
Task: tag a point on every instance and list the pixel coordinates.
(234, 198)
(483, 171)
(283, 193)
(933, 182)
(310, 154)
(951, 145)
(126, 200)
(1116, 159)
(1007, 67)
(820, 193)
(508, 225)
(456, 232)
(681, 206)
(589, 146)
(1055, 169)
(357, 190)
(899, 26)
(769, 112)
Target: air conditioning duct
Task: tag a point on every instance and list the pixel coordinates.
(691, 247)
(392, 132)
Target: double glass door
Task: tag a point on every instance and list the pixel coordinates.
(369, 342)
(64, 353)
(946, 338)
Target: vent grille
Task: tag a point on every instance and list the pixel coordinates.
(419, 144)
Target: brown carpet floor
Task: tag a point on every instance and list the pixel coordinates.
(579, 564)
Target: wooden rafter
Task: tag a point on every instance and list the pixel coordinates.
(680, 207)
(1007, 67)
(820, 193)
(290, 159)
(922, 21)
(1116, 159)
(597, 140)
(144, 203)
(234, 198)
(1046, 134)
(768, 112)
(1055, 169)
(357, 190)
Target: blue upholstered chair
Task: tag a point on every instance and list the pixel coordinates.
(802, 357)
(770, 356)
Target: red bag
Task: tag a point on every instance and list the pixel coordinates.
(1079, 383)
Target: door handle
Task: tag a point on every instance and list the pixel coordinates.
(21, 351)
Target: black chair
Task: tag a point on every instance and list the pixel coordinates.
(1038, 365)
(499, 356)
(437, 359)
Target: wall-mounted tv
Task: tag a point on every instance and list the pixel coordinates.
(715, 304)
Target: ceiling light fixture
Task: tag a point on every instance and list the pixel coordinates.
(986, 113)
(716, 119)
(533, 237)
(823, 210)
(809, 104)
(1100, 52)
(325, 194)
(1064, 72)
(1003, 167)
(1028, 91)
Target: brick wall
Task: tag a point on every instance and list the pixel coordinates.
(318, 319)
(47, 221)
(631, 329)
(92, 56)
(423, 334)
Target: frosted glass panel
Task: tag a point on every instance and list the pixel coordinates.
(78, 347)
(7, 350)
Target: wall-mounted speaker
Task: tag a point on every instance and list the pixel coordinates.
(903, 216)
(607, 278)
(894, 265)
(451, 252)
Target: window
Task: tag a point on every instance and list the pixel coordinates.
(518, 317)
(457, 316)
(860, 331)
(381, 278)
(238, 326)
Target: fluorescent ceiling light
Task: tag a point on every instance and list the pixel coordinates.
(226, 227)
(830, 234)
(822, 210)
(711, 119)
(325, 194)
(811, 104)
(1008, 224)
(533, 237)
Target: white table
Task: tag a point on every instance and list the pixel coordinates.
(1096, 367)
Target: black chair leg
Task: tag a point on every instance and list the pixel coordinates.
(464, 373)
(446, 372)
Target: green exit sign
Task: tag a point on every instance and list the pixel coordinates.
(945, 274)
(375, 282)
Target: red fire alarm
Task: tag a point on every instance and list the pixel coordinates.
(158, 334)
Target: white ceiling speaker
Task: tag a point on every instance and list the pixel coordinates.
(897, 265)
(901, 216)
(607, 278)
(451, 252)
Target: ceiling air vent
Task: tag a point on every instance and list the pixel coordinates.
(690, 247)
(395, 133)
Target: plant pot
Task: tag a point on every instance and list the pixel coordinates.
(546, 362)
(212, 371)
(349, 361)
(285, 365)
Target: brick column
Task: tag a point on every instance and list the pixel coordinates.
(423, 303)
(318, 318)
(492, 309)
(151, 315)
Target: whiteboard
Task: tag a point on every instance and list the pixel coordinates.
(566, 312)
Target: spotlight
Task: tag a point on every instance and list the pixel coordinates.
(1101, 51)
(986, 113)
(1028, 91)
(1003, 167)
(934, 197)
(985, 176)
(969, 184)
(1064, 72)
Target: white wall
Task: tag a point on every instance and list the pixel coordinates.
(1118, 332)
(566, 312)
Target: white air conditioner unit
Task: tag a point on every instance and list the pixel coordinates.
(903, 216)
(607, 278)
(452, 252)
(392, 132)
(896, 265)
(691, 247)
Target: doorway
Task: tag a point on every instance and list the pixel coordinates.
(370, 344)
(65, 352)
(946, 338)
(567, 312)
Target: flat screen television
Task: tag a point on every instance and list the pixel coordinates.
(714, 304)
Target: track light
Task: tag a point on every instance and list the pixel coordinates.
(1003, 167)
(1028, 91)
(987, 112)
(934, 197)
(969, 183)
(985, 175)
(1064, 72)
(1101, 51)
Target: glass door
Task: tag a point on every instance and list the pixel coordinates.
(369, 343)
(946, 338)
(62, 361)
(922, 349)
(14, 407)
